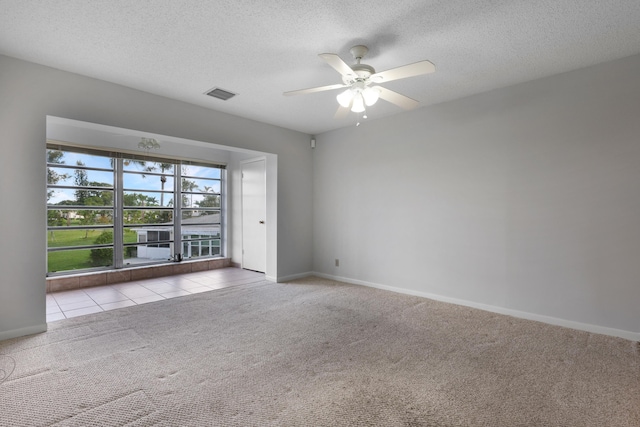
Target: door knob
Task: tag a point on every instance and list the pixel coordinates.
(261, 222)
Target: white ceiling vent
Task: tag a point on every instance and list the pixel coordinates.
(216, 92)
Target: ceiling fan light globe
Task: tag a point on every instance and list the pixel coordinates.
(370, 95)
(358, 104)
(344, 98)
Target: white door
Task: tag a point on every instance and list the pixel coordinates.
(254, 209)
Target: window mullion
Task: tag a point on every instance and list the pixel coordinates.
(177, 211)
(118, 231)
(223, 208)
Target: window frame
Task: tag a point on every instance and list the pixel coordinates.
(118, 208)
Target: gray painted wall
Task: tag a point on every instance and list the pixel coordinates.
(525, 200)
(29, 92)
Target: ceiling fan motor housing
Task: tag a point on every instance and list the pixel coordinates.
(362, 72)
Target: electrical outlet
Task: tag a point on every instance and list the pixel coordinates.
(337, 262)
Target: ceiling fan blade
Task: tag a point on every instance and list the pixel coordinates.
(314, 89)
(397, 99)
(342, 112)
(337, 63)
(415, 69)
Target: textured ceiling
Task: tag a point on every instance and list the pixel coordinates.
(259, 49)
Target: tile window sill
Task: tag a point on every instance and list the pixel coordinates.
(110, 277)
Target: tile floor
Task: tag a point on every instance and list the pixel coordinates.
(78, 302)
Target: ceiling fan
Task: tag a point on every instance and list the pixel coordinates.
(361, 81)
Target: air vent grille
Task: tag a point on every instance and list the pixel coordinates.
(222, 94)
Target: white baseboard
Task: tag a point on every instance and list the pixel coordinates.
(29, 330)
(295, 276)
(629, 335)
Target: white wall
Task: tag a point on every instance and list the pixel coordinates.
(29, 92)
(524, 200)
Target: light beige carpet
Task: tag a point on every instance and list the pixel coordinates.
(315, 353)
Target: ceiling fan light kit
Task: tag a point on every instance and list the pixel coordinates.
(371, 95)
(358, 104)
(362, 83)
(356, 97)
(148, 144)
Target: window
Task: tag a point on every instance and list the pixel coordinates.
(200, 213)
(112, 210)
(156, 236)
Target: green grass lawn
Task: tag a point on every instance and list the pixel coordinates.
(68, 260)
(59, 238)
(77, 258)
